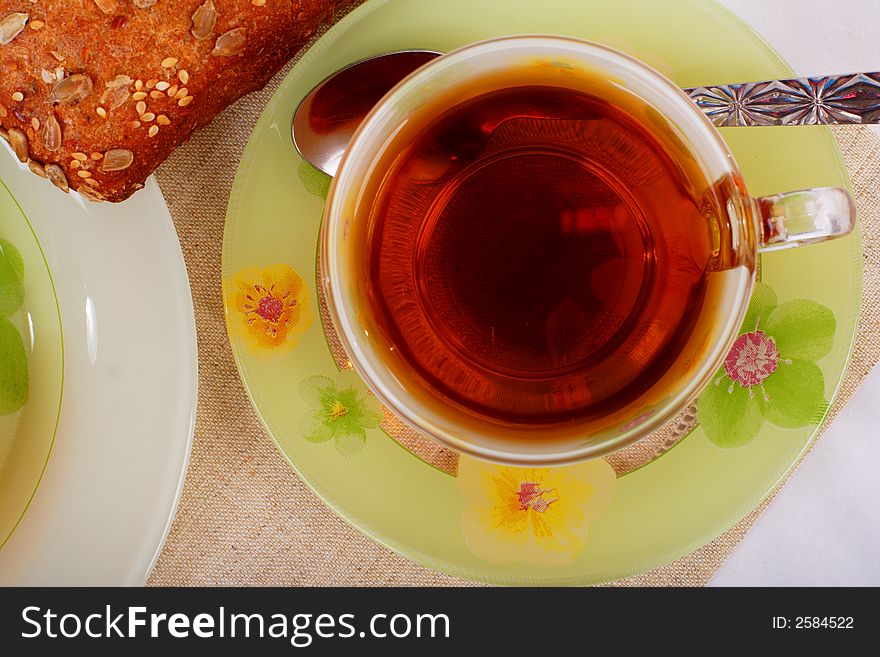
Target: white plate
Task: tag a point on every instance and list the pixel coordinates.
(106, 501)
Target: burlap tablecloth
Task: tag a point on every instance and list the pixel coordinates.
(245, 518)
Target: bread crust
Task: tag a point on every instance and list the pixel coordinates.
(145, 81)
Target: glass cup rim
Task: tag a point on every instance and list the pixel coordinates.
(370, 369)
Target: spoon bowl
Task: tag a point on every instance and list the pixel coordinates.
(328, 116)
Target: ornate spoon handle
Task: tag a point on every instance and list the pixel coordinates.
(824, 100)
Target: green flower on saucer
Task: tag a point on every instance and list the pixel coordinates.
(11, 279)
(340, 411)
(316, 182)
(13, 358)
(770, 372)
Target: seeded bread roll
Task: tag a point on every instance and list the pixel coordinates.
(95, 94)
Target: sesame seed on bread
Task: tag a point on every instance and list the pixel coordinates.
(95, 94)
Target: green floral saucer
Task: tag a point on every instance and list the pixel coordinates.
(31, 363)
(577, 524)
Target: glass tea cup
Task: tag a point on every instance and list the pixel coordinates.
(739, 226)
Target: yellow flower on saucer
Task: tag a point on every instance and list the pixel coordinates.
(270, 307)
(537, 515)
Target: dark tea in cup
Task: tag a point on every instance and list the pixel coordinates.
(537, 249)
(537, 255)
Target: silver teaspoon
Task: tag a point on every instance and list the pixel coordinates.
(328, 116)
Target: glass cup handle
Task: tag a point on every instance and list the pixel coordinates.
(804, 217)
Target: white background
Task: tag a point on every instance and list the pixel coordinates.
(824, 527)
